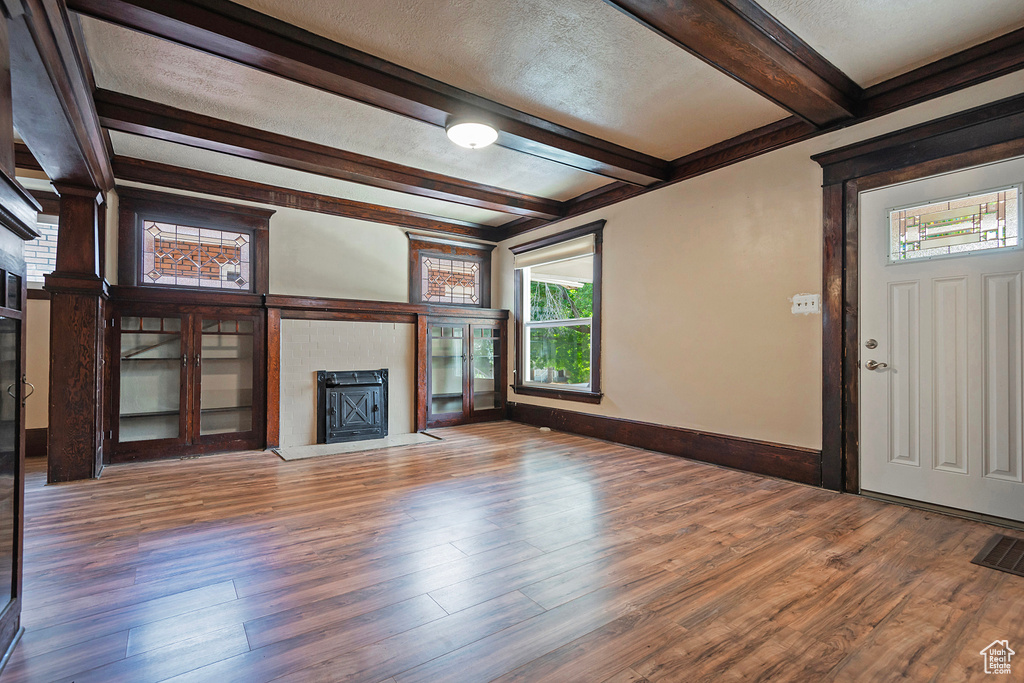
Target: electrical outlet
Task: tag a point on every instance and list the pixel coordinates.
(805, 304)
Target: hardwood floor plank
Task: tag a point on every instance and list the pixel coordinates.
(410, 649)
(502, 552)
(30, 663)
(164, 662)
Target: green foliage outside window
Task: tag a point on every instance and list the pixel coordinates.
(561, 353)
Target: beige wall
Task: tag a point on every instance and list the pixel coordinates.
(37, 362)
(311, 345)
(318, 255)
(697, 330)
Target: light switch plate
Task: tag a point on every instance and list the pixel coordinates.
(805, 304)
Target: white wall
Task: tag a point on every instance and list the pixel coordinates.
(697, 330)
(311, 345)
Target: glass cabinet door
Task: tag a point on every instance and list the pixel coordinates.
(226, 371)
(152, 358)
(486, 368)
(447, 358)
(10, 434)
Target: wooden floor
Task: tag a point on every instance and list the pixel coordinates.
(503, 553)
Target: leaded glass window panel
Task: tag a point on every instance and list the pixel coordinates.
(449, 281)
(184, 256)
(956, 227)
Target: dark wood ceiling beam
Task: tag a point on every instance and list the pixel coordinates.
(743, 41)
(175, 177)
(140, 117)
(233, 32)
(53, 107)
(991, 59)
(23, 158)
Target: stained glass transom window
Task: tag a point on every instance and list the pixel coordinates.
(957, 226)
(449, 281)
(184, 256)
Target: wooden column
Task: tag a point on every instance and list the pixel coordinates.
(76, 340)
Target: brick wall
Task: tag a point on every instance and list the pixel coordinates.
(311, 345)
(41, 254)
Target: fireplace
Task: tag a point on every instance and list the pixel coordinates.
(351, 405)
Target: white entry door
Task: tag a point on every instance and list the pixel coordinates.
(941, 354)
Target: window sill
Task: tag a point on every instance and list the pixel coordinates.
(560, 394)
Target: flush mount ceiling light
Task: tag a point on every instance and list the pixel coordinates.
(470, 134)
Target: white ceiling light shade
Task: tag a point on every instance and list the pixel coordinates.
(470, 134)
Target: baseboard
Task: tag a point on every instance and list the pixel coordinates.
(35, 443)
(786, 462)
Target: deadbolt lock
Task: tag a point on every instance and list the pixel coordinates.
(871, 344)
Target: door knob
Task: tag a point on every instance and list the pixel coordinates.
(875, 365)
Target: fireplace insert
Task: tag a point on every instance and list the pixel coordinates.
(351, 405)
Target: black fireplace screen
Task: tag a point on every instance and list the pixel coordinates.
(351, 405)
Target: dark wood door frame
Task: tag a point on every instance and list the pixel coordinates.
(982, 135)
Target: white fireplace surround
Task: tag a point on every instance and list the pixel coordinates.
(311, 345)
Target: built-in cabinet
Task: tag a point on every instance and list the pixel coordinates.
(184, 381)
(463, 370)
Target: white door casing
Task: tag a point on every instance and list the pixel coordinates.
(943, 423)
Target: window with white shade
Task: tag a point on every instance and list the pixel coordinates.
(558, 281)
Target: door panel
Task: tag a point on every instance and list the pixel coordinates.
(486, 368)
(1002, 376)
(949, 367)
(447, 370)
(942, 414)
(152, 358)
(226, 374)
(905, 385)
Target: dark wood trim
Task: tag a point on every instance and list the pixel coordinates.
(49, 202)
(594, 395)
(422, 388)
(273, 359)
(981, 63)
(997, 57)
(300, 307)
(182, 297)
(558, 394)
(787, 462)
(247, 37)
(989, 124)
(23, 158)
(593, 228)
(982, 135)
(459, 251)
(37, 294)
(35, 442)
(137, 205)
(178, 178)
(832, 314)
(744, 42)
(53, 105)
(137, 116)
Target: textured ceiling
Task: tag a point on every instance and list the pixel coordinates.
(872, 40)
(160, 71)
(235, 167)
(578, 63)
